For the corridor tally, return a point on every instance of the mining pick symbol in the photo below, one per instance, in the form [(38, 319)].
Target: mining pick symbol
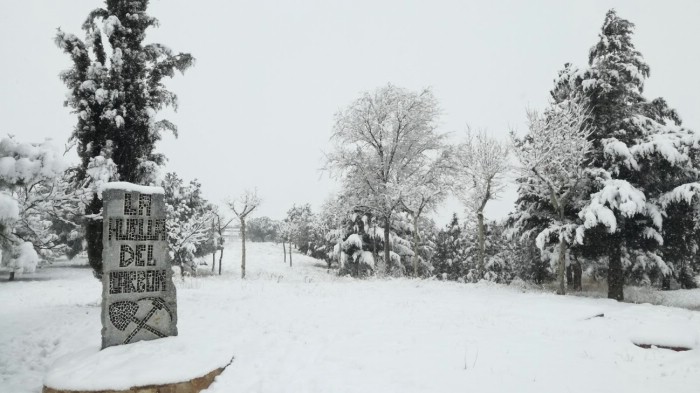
[(124, 312)]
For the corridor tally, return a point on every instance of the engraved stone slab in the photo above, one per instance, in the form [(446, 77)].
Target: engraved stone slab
[(138, 295)]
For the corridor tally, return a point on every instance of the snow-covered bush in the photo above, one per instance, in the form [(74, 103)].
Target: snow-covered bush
[(37, 207), (25, 259), (188, 220)]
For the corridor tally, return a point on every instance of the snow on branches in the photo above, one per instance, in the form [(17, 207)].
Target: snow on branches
[(555, 152), (482, 165), (33, 198)]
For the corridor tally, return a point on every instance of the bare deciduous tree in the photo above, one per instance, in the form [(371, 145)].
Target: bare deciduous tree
[(482, 163), (430, 184), (219, 225), (378, 139), (555, 151), (242, 207)]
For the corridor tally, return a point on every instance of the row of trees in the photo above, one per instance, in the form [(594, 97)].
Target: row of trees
[(607, 179)]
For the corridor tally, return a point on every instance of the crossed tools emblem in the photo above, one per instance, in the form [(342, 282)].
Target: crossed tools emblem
[(123, 312)]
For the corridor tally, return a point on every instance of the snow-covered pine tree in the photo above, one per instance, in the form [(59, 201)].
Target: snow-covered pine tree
[(641, 157), (116, 90), (450, 252)]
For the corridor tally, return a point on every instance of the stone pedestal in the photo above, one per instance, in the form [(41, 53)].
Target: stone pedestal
[(182, 364), (195, 385)]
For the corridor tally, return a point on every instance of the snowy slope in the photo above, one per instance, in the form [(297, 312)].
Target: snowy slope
[(302, 329)]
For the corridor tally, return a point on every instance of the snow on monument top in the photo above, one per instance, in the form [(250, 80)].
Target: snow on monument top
[(131, 187)]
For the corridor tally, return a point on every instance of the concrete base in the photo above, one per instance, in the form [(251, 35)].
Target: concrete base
[(192, 386)]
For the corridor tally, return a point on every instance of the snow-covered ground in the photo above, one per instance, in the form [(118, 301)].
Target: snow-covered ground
[(301, 329)]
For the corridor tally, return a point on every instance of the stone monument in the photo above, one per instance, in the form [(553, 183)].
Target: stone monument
[(138, 303), (138, 295)]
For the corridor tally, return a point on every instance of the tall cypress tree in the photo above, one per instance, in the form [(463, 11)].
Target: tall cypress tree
[(116, 89)]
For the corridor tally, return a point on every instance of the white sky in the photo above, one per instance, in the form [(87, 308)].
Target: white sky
[(257, 109)]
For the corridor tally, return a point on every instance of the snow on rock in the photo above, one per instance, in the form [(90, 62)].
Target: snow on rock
[(663, 328), (156, 362), (131, 187)]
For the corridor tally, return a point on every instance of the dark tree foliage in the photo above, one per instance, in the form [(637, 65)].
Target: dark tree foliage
[(116, 89), (450, 256)]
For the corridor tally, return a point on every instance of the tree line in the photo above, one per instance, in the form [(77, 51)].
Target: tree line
[(607, 182), (607, 178)]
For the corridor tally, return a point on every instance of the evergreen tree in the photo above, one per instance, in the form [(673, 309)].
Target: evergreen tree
[(641, 157), (450, 251), (116, 89)]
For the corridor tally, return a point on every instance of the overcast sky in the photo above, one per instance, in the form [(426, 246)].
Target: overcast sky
[(257, 109)]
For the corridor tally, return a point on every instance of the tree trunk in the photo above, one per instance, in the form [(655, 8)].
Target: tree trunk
[(221, 256), (284, 250), (93, 237), (570, 275), (213, 261), (340, 254), (616, 278), (666, 282), (562, 255), (6, 258), (290, 252), (387, 254), (415, 246), (578, 272), (374, 243), (482, 251), (562, 266), (242, 248)]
